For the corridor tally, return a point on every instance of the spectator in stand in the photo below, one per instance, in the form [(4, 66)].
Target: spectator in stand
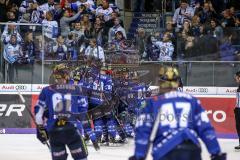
[(98, 31), (12, 52), (10, 30), (198, 8), (233, 14), (29, 48), (27, 7), (186, 40), (14, 8), (79, 38), (195, 27), (66, 20), (237, 21), (170, 29), (60, 49), (46, 7), (166, 48), (78, 31), (28, 12), (216, 29), (151, 52), (72, 47), (205, 46), (228, 20), (11, 17), (93, 50), (117, 27), (50, 27), (141, 41), (87, 27), (110, 23), (186, 28), (207, 13), (119, 42), (183, 13), (226, 50), (85, 22), (104, 10), (89, 4), (4, 5)]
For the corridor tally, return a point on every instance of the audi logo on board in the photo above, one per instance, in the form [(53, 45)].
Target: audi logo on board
[(20, 87), (203, 90)]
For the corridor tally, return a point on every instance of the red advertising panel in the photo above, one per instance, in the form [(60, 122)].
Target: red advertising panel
[(34, 101), (220, 112)]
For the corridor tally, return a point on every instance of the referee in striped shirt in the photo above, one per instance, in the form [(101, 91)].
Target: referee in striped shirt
[(237, 108)]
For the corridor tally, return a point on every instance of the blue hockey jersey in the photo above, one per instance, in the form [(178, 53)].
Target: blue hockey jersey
[(62, 101), (102, 84), (181, 117)]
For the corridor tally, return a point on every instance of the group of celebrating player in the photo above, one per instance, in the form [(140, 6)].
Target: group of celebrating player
[(92, 101), (108, 106)]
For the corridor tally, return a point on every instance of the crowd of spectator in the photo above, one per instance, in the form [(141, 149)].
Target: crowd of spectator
[(58, 30), (69, 29), (64, 30), (197, 32)]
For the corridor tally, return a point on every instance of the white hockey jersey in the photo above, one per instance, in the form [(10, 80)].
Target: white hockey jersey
[(6, 35), (166, 50), (46, 7), (95, 52), (105, 12), (25, 5), (50, 28), (90, 3)]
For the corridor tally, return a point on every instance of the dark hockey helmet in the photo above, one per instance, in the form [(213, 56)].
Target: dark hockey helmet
[(168, 77), (61, 71)]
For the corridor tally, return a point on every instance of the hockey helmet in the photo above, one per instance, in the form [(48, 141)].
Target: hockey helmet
[(168, 77), (61, 71)]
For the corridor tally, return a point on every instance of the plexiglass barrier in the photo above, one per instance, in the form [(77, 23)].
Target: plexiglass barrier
[(28, 55)]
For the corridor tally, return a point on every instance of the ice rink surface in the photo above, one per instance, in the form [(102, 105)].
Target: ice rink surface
[(27, 147)]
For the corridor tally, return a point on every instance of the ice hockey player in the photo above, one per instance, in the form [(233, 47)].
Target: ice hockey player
[(84, 125), (237, 108), (172, 123), (61, 100), (100, 98)]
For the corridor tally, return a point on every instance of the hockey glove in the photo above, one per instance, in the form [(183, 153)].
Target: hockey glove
[(42, 134), (220, 156)]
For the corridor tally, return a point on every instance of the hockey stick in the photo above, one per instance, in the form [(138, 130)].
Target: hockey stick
[(153, 136), (32, 116)]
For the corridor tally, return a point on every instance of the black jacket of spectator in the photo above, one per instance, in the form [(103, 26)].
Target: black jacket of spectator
[(205, 17), (218, 5), (229, 22), (3, 11), (29, 50)]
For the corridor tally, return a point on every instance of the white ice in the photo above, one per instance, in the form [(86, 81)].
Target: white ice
[(27, 147)]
